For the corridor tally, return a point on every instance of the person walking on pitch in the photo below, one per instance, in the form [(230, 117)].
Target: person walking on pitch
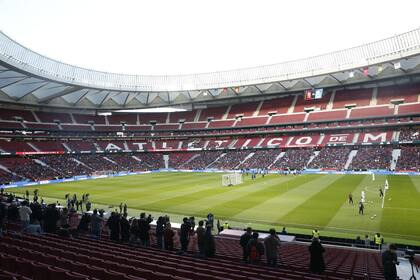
[(381, 193), (361, 208), (351, 198)]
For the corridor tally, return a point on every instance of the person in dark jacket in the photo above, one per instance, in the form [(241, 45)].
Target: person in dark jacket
[(160, 226), (125, 229), (113, 224), (272, 244), (209, 245), (200, 237), (144, 228), (51, 218), (83, 226), (169, 237), (255, 249), (389, 262), (244, 242), (185, 234), (317, 264)]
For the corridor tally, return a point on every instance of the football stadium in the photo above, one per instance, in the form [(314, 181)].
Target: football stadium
[(303, 169)]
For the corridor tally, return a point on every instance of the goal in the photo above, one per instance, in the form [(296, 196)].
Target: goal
[(231, 179)]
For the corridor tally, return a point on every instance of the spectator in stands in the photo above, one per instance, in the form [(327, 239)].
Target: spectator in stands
[(379, 240), (284, 231), (134, 231), (244, 243), (84, 224), (34, 227), (208, 243), (255, 249), (367, 241), (169, 237), (316, 264), (389, 262), (73, 221), (2, 214), (184, 235), (96, 224), (144, 228), (51, 218), (160, 227), (200, 237), (113, 224), (125, 229), (272, 244), (24, 214)]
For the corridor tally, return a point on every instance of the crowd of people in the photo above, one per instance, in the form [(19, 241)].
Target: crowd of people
[(331, 158), (260, 159), (372, 157), (230, 161), (294, 159), (409, 159)]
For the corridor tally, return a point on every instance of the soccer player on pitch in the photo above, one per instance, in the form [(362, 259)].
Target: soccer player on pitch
[(351, 198), (381, 192)]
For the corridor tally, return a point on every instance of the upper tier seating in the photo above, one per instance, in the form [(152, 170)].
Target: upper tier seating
[(407, 93), (49, 146), (10, 115), (187, 116), (15, 146), (215, 113), (41, 126), (292, 118), (321, 103), (122, 118), (245, 110), (11, 125), (199, 125), (360, 97), (366, 112), (70, 127), (146, 118), (85, 119), (220, 124), (406, 109), (252, 121), (327, 115), (277, 105), (53, 117), (166, 126)]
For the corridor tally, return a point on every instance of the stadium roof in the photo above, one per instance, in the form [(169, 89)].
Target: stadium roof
[(27, 77)]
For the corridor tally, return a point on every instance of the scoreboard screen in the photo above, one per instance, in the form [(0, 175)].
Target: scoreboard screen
[(314, 94)]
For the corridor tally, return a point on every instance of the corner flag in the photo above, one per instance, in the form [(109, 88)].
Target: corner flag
[(385, 189)]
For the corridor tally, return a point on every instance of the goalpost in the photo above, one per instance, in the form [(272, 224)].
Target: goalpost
[(231, 179)]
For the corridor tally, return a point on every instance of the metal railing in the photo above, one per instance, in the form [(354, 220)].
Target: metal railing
[(389, 49)]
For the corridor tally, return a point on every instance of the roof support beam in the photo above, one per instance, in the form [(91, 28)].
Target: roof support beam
[(59, 94), (29, 92)]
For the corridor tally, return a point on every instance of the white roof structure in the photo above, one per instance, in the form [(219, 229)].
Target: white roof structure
[(29, 78)]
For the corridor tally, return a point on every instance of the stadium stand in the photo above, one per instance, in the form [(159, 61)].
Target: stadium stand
[(376, 157), (409, 159), (277, 106), (294, 159), (333, 158), (213, 113), (320, 104), (358, 98)]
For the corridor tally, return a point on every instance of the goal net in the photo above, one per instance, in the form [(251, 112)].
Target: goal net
[(231, 179)]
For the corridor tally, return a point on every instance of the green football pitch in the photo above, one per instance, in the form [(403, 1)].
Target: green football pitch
[(299, 202)]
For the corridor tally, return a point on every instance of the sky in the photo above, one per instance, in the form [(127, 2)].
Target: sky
[(170, 37)]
